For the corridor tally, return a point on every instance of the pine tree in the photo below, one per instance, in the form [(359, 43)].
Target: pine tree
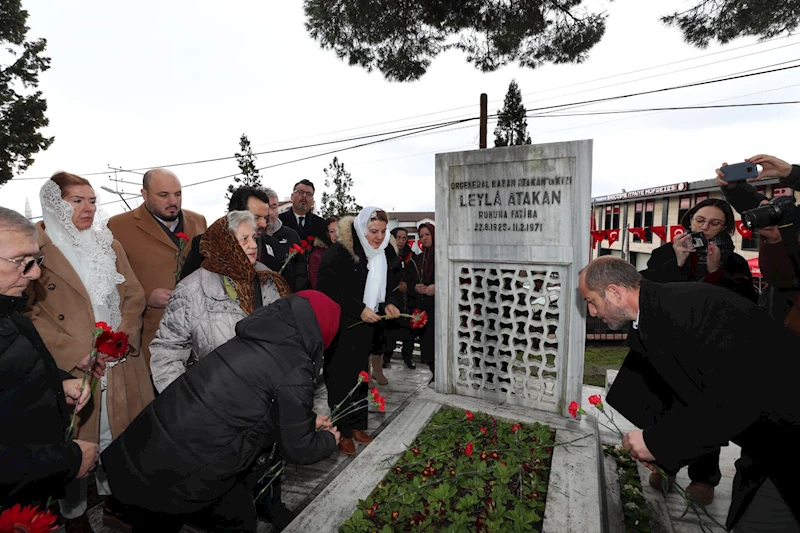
[(340, 202), (247, 164), (21, 112), (512, 127)]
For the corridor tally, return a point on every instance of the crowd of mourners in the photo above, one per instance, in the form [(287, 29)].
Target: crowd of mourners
[(231, 329)]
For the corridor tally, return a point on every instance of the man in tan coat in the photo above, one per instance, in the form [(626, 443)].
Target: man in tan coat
[(148, 234)]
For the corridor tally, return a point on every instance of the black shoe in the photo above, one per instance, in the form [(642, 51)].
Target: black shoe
[(279, 516), (409, 363)]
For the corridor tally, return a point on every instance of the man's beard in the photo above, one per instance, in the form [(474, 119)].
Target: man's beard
[(614, 317), (166, 217)]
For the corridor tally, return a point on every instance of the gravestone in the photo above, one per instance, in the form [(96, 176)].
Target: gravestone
[(512, 232)]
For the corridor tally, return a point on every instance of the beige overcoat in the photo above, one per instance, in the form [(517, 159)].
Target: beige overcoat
[(153, 257), (61, 310)]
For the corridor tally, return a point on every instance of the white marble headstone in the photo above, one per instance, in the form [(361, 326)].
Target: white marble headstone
[(512, 232)]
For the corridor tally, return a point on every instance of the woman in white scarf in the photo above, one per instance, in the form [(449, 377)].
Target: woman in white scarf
[(88, 279), (356, 272)]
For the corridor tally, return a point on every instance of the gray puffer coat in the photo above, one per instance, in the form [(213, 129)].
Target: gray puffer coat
[(199, 317)]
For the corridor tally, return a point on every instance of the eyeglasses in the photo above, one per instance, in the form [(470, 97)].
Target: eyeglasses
[(712, 223), (28, 265), (307, 194)]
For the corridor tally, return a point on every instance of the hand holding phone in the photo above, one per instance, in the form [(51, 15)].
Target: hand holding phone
[(739, 171)]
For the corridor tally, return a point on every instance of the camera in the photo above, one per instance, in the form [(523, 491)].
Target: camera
[(777, 212), (698, 240)]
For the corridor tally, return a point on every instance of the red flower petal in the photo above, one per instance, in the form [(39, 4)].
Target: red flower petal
[(28, 519), (573, 409), (595, 399), (469, 414)]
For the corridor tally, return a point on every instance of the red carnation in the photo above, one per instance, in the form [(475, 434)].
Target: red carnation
[(575, 410), (112, 344), (310, 239), (483, 430), (26, 519), (182, 236), (363, 376), (305, 245), (469, 414), (595, 399), (382, 405), (468, 449), (418, 319), (515, 428), (102, 325)]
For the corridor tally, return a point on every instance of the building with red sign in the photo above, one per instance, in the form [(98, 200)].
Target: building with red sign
[(631, 224)]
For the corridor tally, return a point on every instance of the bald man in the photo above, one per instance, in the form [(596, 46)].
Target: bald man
[(148, 235)]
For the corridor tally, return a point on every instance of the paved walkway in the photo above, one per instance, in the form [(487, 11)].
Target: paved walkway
[(301, 484)]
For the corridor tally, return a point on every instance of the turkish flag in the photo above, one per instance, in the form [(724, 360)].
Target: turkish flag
[(661, 231), (674, 231), (597, 236), (742, 229), (639, 232), (612, 235)]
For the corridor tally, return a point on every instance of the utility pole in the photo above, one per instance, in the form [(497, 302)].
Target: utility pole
[(482, 134)]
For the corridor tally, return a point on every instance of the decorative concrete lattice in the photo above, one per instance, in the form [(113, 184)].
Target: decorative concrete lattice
[(509, 328)]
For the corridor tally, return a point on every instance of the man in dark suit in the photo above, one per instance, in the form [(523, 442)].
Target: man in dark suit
[(701, 342), (299, 217)]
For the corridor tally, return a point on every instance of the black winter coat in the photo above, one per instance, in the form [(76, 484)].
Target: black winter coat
[(735, 273), (201, 436), (702, 342), (36, 461)]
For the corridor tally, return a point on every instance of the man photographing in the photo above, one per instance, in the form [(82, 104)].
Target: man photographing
[(699, 342)]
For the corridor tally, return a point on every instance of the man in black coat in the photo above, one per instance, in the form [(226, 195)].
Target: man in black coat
[(36, 460), (299, 217), (274, 248), (188, 454), (701, 341)]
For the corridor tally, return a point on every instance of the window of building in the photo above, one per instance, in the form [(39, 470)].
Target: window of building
[(638, 215), (684, 204), (649, 212), (616, 217), (752, 243), (700, 197), (607, 222)]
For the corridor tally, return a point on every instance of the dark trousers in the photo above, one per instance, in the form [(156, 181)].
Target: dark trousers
[(705, 469), (427, 337), (349, 357), (233, 512)]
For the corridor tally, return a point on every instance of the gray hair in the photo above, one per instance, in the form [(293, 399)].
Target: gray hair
[(10, 220), (235, 218), (270, 193), (609, 270)]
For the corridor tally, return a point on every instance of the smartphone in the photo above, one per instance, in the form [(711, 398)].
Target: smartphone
[(698, 240), (740, 171)]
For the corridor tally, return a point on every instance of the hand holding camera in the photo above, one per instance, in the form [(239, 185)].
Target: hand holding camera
[(682, 244)]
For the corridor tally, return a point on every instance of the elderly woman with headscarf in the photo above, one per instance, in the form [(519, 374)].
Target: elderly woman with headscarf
[(203, 311), (189, 455), (423, 280), (357, 273), (87, 279)]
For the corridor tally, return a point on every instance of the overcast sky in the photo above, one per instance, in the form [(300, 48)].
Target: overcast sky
[(150, 83)]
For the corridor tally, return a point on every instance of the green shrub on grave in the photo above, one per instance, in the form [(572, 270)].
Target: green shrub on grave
[(464, 472)]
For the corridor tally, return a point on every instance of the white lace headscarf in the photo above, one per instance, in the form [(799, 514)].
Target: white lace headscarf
[(88, 251), (375, 289)]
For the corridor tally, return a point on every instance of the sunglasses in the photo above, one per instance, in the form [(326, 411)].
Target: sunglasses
[(27, 265)]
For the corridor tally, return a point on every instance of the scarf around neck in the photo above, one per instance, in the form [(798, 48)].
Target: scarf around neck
[(377, 267)]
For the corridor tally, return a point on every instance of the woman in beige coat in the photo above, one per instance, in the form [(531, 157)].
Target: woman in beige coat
[(87, 278)]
